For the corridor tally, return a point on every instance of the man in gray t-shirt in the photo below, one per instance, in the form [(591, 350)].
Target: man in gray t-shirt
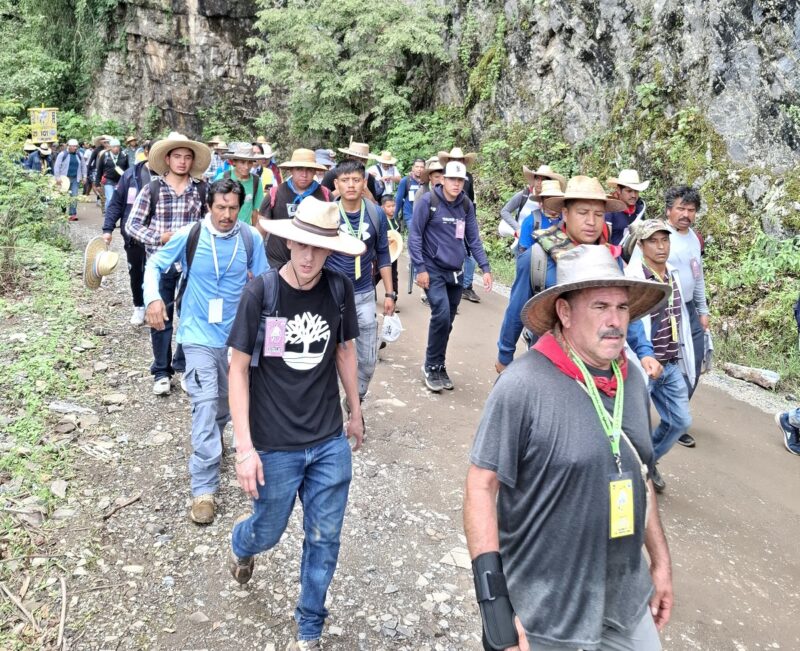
[(556, 490)]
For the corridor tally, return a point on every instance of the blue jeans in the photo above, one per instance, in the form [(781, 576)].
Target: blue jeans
[(207, 385), (164, 364), (367, 341), (320, 476), (73, 192), (108, 188), (469, 271), (670, 397), (444, 295)]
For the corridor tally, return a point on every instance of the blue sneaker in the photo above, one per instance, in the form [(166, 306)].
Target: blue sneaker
[(791, 435)]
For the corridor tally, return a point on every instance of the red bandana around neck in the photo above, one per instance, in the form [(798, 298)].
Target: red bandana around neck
[(549, 347)]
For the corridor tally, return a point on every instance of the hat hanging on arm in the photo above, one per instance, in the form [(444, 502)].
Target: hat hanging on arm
[(175, 140), (395, 244), (584, 267), (303, 158), (357, 150), (98, 261), (587, 188), (316, 223), (545, 171), (457, 154), (629, 179)]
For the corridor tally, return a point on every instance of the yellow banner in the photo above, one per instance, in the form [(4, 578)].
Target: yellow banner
[(44, 124)]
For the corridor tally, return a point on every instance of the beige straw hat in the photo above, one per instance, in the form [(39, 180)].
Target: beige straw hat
[(585, 266), (550, 188), (316, 223), (395, 244), (584, 187), (431, 165), (386, 158), (357, 149), (458, 155), (303, 158), (544, 171), (629, 179), (98, 261), (241, 151), (159, 151)]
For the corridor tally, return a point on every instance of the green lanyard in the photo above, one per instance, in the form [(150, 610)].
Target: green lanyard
[(673, 322), (346, 219), (611, 426)]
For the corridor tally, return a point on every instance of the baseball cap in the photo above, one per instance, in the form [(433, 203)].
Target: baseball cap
[(455, 170)]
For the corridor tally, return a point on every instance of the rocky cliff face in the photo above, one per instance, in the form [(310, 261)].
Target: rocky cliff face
[(173, 57)]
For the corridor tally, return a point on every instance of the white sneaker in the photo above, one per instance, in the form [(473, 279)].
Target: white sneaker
[(161, 386), (137, 318)]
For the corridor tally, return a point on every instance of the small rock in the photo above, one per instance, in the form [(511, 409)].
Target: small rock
[(63, 513), (335, 630), (99, 331), (18, 336), (113, 408), (63, 407), (114, 398), (422, 581), (198, 618), (100, 367), (85, 374), (65, 428), (88, 420), (458, 557), (59, 488), (391, 588), (161, 438), (135, 569), (86, 344), (168, 582)]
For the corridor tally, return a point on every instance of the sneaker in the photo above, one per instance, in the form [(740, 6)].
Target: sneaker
[(303, 645), (447, 383), (161, 386), (791, 435), (137, 318), (470, 295), (241, 569), (433, 378), (203, 509), (687, 440), (73, 218), (658, 480)]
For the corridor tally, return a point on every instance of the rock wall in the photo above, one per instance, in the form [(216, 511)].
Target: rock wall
[(170, 58)]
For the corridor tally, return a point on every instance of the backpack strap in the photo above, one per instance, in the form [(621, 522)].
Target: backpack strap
[(155, 189), (372, 214), (269, 307), (325, 192), (337, 287), (256, 180), (247, 237), (526, 193), (538, 268), (191, 249)]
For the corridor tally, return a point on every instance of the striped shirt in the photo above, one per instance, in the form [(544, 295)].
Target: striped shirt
[(172, 212), (665, 346)]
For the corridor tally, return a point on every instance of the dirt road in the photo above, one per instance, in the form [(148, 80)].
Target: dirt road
[(147, 578)]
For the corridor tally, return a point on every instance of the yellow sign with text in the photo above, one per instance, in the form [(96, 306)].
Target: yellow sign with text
[(44, 124)]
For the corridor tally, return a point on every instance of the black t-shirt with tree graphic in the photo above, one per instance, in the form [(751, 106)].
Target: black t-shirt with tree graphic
[(294, 399)]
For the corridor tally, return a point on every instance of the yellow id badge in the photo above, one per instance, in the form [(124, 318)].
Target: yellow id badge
[(620, 505), (358, 267)]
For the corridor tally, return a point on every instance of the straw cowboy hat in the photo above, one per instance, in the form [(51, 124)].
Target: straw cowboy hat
[(130, 139), (550, 188), (98, 261), (261, 140), (303, 158), (357, 149), (628, 179), (395, 244), (386, 158), (546, 172), (316, 223), (99, 140), (587, 266), (220, 145), (240, 151), (159, 151), (44, 149), (431, 165), (29, 146), (458, 155), (584, 187)]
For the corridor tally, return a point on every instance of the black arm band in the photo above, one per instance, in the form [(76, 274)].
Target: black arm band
[(497, 613)]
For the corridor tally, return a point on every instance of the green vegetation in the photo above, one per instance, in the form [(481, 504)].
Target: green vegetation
[(338, 70)]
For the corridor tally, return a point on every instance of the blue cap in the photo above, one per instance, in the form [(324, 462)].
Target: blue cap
[(323, 157)]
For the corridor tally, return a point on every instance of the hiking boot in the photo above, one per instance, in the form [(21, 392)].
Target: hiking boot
[(241, 569), (202, 511), (791, 435), (161, 386), (433, 378), (658, 480), (470, 295), (304, 645), (137, 318), (447, 383), (687, 440)]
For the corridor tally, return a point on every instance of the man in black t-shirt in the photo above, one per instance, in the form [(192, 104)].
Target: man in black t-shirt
[(285, 403)]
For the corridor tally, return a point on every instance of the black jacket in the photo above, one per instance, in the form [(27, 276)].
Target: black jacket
[(105, 167)]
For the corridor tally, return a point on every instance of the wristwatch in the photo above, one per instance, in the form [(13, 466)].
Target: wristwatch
[(392, 295)]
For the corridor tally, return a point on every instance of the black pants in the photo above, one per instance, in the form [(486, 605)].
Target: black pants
[(698, 341), (137, 257)]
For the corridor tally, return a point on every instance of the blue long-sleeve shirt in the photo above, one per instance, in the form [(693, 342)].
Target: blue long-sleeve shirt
[(404, 198), (203, 285), (432, 240), (522, 292), (123, 197)]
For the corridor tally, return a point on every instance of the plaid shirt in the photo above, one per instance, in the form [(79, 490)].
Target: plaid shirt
[(172, 212), (213, 167)]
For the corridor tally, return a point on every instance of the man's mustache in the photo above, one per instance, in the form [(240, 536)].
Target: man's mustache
[(611, 332)]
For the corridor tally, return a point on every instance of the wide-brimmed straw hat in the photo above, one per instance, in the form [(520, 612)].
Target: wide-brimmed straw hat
[(546, 172), (240, 151), (220, 145), (269, 152), (303, 158), (629, 179), (357, 149), (261, 140), (98, 261), (44, 149), (584, 267), (395, 244), (99, 140), (131, 139), (159, 151), (550, 188), (457, 154), (587, 188), (316, 223), (29, 146), (431, 165), (386, 158)]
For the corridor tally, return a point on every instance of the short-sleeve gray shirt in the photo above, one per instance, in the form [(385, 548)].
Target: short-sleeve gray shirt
[(540, 433)]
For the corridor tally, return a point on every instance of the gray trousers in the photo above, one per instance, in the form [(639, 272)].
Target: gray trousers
[(207, 383), (643, 637), (367, 342)]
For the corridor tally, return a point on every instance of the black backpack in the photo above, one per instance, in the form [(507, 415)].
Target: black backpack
[(269, 306), (155, 190), (191, 248)]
